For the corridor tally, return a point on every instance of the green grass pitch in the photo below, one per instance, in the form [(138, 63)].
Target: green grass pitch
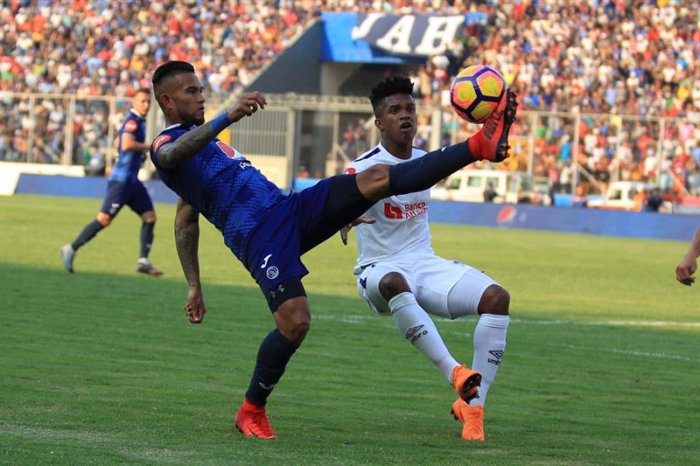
[(101, 367)]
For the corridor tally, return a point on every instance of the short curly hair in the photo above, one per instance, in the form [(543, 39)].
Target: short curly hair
[(390, 85)]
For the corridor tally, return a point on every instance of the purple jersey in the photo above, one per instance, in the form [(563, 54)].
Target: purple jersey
[(222, 185), (129, 161)]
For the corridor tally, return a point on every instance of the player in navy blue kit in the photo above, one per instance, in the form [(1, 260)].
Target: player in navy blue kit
[(267, 229), (124, 188)]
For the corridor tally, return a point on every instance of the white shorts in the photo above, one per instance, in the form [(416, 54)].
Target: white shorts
[(431, 278)]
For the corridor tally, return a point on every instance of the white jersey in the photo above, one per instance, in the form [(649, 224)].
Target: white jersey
[(402, 221)]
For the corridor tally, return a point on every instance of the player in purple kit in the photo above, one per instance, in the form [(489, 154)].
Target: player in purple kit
[(269, 230), (124, 188)]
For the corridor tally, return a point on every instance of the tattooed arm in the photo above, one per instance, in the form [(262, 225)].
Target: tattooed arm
[(190, 143), (187, 244)]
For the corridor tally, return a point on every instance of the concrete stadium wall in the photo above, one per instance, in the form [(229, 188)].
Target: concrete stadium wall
[(530, 217)]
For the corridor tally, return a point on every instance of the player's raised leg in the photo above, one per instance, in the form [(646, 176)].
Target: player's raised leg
[(489, 143)]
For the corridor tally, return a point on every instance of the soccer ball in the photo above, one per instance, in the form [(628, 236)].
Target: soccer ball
[(475, 93)]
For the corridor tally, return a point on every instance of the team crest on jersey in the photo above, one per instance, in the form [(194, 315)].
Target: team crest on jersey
[(159, 141), (131, 125), (229, 151), (272, 272)]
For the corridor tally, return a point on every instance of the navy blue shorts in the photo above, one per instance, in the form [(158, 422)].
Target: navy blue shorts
[(130, 193), (293, 227)]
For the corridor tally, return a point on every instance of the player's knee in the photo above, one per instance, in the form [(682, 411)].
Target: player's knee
[(393, 284), (495, 300), (104, 219), (297, 330), (149, 217), (294, 325), (373, 183)]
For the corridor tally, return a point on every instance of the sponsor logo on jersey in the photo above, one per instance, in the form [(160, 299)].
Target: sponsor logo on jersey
[(229, 151), (392, 211), (412, 210), (497, 355), (414, 333), (416, 209), (131, 126), (159, 141)]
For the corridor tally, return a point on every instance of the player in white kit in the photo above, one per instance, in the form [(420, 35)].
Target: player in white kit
[(398, 273)]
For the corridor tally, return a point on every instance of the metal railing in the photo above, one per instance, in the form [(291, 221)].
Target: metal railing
[(318, 134)]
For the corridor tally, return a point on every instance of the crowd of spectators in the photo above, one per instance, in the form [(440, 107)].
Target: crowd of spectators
[(626, 58), (615, 63), (100, 47)]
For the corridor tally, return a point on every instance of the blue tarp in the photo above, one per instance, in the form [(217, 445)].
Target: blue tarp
[(531, 217)]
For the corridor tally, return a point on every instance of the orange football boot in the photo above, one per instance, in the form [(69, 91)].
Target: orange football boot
[(472, 419), (491, 141), (252, 421), (466, 382)]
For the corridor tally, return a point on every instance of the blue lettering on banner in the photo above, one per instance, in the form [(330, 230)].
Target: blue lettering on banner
[(423, 34)]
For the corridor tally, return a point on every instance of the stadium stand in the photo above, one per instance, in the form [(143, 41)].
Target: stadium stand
[(636, 58)]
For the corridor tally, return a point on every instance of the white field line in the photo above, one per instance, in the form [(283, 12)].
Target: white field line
[(618, 323), (644, 354), (356, 318)]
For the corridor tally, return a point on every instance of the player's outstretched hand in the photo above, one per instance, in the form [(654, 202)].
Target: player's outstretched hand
[(346, 229), (685, 270), (247, 104), (195, 308)]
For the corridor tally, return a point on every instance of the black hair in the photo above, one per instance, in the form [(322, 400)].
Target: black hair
[(171, 68), (390, 85), (143, 90)]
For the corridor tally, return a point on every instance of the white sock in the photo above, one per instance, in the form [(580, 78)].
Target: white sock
[(419, 329), (489, 346)]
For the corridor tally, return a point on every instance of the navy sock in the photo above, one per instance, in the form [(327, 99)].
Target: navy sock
[(146, 238), (89, 232), (273, 356), (423, 173)]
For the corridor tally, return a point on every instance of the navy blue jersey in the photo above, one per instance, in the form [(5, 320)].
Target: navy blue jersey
[(222, 185), (129, 161)]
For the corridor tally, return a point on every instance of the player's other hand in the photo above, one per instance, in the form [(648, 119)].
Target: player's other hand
[(685, 270), (194, 307), (346, 229), (247, 104)]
